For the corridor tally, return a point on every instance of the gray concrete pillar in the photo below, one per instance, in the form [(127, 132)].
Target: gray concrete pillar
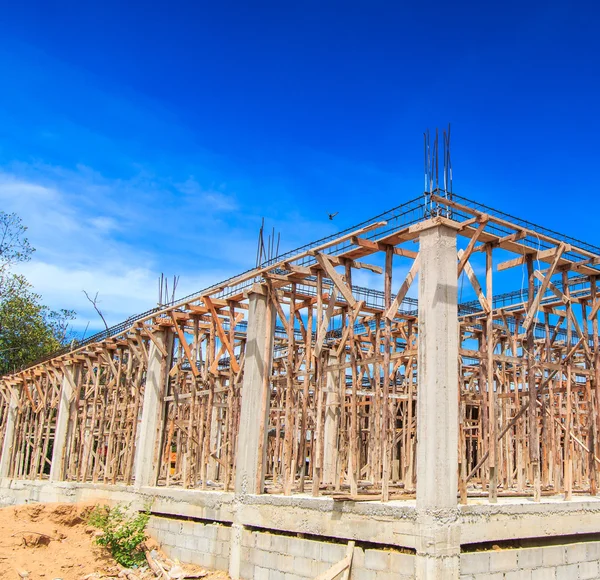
[(438, 541), (235, 551), (9, 435), (145, 461), (254, 415), (59, 448), (437, 545), (332, 421)]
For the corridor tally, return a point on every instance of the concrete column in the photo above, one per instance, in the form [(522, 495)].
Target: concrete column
[(59, 448), (252, 438), (9, 435), (235, 551), (145, 463), (438, 534), (332, 422)]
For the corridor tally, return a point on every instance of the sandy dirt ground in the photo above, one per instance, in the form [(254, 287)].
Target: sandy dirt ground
[(53, 541)]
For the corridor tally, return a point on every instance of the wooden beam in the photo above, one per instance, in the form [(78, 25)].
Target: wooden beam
[(341, 261), (564, 299), (156, 343), (322, 330), (345, 290), (305, 270), (381, 246), (223, 337), (280, 312), (471, 245), (339, 567), (594, 309), (487, 307), (542, 256), (186, 348), (393, 309), (349, 326), (542, 290), (515, 237)]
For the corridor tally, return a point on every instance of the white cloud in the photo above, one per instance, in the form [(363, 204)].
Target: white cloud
[(115, 236), (104, 224), (101, 236), (120, 294), (214, 199)]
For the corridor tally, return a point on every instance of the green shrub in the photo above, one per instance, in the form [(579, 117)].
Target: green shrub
[(123, 532)]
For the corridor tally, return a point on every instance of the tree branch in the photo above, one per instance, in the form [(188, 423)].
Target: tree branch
[(95, 305)]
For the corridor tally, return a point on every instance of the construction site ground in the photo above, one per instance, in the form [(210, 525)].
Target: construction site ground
[(53, 541)]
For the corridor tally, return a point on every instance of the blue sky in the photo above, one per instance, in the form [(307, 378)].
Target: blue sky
[(139, 138)]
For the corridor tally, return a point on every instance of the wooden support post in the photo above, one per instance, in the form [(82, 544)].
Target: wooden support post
[(332, 422), (534, 435), (595, 380), (489, 363), (386, 451), (569, 440)]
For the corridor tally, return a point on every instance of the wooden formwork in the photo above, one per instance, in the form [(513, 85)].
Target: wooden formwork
[(344, 385), (107, 401), (31, 452), (202, 398)]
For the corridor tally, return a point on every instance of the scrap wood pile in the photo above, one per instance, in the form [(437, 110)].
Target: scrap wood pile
[(158, 566)]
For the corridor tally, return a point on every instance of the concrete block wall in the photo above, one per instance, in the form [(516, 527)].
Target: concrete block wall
[(192, 541), (577, 561), (271, 556), (267, 556)]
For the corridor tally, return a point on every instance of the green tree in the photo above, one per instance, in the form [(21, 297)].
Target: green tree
[(28, 329), (14, 246)]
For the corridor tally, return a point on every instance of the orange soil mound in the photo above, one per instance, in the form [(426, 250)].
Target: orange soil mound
[(49, 541), (53, 541)]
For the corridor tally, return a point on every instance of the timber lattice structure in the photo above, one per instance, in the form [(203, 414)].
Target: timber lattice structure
[(291, 379)]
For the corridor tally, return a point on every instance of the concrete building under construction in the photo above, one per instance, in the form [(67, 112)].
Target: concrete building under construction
[(288, 423)]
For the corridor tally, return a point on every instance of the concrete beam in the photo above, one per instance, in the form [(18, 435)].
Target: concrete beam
[(252, 438)]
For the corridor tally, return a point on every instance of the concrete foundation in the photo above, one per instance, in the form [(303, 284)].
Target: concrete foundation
[(293, 538)]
